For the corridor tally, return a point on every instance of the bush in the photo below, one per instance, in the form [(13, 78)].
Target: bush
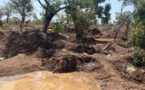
[(57, 28), (138, 37), (138, 57), (1, 28)]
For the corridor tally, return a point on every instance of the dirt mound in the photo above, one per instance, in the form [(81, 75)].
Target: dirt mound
[(84, 48), (34, 50), (89, 64), (69, 63), (130, 71), (3, 37), (19, 64), (93, 31), (63, 64), (29, 41)]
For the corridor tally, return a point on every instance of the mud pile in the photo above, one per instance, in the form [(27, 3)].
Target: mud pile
[(69, 63), (29, 42)]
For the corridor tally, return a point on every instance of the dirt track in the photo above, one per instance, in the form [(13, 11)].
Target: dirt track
[(60, 54)]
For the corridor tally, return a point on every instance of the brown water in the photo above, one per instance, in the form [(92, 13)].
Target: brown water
[(44, 80)]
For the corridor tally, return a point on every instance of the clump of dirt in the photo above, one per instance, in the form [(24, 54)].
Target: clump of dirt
[(84, 48), (93, 31), (2, 37), (133, 73), (89, 64), (69, 63), (89, 41), (44, 53), (62, 64)]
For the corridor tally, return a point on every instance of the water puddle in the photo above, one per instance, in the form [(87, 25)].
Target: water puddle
[(44, 80)]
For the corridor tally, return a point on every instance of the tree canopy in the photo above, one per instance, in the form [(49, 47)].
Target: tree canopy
[(24, 8)]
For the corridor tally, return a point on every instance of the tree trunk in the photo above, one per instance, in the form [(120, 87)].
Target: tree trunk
[(8, 18), (79, 31), (47, 22), (21, 24), (127, 30)]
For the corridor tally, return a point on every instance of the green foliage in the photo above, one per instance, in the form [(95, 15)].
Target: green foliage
[(23, 7), (139, 14), (51, 8), (1, 13), (57, 28), (43, 18), (8, 10), (106, 12), (1, 28), (124, 18), (83, 13), (138, 36), (28, 21), (138, 57), (138, 32)]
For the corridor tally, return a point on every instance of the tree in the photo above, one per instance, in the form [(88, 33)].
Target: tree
[(81, 14), (106, 12), (127, 3), (51, 7), (24, 8), (8, 8), (124, 19), (1, 15), (138, 32)]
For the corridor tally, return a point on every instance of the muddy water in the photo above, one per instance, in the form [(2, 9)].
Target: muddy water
[(44, 80)]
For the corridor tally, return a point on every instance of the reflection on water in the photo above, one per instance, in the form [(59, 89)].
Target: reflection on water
[(48, 81)]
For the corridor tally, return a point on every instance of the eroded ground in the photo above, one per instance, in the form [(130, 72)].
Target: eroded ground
[(32, 51)]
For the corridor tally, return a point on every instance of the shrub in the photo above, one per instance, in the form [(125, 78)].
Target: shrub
[(138, 37), (57, 28), (138, 57), (0, 28)]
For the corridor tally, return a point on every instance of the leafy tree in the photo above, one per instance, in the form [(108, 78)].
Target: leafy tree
[(138, 32), (8, 8), (24, 8), (106, 12), (1, 12), (51, 7), (81, 14), (1, 15)]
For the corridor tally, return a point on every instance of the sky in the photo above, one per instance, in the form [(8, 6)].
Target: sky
[(114, 4)]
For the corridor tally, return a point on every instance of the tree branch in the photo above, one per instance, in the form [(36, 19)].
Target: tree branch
[(60, 9), (41, 4), (47, 3)]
